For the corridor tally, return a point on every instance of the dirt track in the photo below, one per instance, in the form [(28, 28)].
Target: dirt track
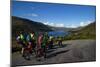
[(73, 51)]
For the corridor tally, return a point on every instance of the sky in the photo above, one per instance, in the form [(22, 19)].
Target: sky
[(59, 15)]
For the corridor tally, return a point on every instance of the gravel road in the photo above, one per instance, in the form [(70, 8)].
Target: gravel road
[(73, 51)]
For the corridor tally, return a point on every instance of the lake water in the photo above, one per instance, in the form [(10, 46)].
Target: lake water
[(57, 33)]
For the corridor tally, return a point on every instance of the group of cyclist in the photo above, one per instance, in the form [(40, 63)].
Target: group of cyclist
[(37, 42)]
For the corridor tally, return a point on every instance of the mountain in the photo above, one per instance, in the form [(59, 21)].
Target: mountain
[(61, 29), (65, 29), (87, 32), (22, 24)]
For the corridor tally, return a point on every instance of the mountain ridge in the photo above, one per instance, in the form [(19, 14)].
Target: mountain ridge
[(22, 24)]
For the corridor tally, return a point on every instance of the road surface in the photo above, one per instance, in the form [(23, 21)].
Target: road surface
[(73, 51)]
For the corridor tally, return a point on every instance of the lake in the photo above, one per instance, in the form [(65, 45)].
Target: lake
[(58, 33)]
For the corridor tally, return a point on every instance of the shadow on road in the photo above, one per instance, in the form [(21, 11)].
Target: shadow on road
[(63, 45), (56, 53), (56, 46)]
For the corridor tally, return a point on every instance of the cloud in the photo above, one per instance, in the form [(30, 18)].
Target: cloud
[(82, 24), (46, 23), (72, 26), (51, 24), (31, 14), (54, 24), (78, 25), (68, 25), (60, 25), (85, 23)]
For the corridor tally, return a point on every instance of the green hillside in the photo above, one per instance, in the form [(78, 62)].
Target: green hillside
[(87, 32), (22, 24)]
